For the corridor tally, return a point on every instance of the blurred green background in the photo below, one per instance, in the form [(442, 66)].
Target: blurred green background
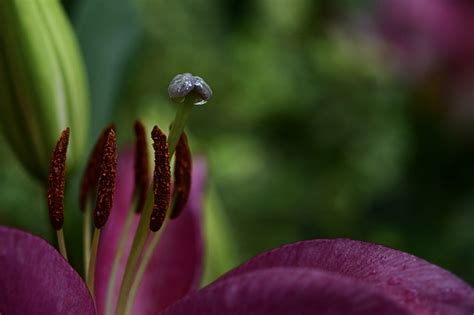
[(316, 130)]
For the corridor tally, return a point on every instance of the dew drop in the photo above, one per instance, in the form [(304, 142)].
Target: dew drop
[(200, 102)]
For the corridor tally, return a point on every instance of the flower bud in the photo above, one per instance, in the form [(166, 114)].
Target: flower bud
[(42, 83)]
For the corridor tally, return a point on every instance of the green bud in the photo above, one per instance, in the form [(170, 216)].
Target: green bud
[(43, 86)]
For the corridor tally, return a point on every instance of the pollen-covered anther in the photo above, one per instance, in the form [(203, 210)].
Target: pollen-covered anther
[(161, 180), (91, 174), (142, 174), (106, 183), (56, 179), (182, 176)]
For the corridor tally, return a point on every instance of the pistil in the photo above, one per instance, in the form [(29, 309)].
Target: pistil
[(188, 91), (178, 124)]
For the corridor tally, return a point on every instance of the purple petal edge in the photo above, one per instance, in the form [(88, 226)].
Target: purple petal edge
[(277, 291), (410, 281), (36, 279)]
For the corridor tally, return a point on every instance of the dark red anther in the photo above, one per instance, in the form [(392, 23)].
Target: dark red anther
[(182, 176), (91, 174), (142, 173), (56, 178), (161, 179), (106, 183)]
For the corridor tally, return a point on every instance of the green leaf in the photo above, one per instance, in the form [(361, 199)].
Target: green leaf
[(109, 33)]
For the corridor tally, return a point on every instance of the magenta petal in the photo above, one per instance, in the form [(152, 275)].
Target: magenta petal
[(176, 265), (35, 278), (412, 282), (286, 291)]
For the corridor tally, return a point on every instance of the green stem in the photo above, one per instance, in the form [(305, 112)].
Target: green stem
[(118, 256), (139, 241), (142, 267), (61, 243), (86, 236), (179, 122), (91, 272)]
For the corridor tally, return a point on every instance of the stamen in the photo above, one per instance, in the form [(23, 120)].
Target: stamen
[(182, 176), (142, 177), (161, 180), (61, 243), (106, 183), (103, 205), (90, 177), (88, 188), (90, 278), (56, 181)]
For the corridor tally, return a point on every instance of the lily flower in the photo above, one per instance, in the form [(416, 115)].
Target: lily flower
[(149, 260)]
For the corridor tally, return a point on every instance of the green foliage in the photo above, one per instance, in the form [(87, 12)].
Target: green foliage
[(109, 32)]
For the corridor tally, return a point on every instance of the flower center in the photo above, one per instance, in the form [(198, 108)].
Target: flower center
[(154, 204)]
